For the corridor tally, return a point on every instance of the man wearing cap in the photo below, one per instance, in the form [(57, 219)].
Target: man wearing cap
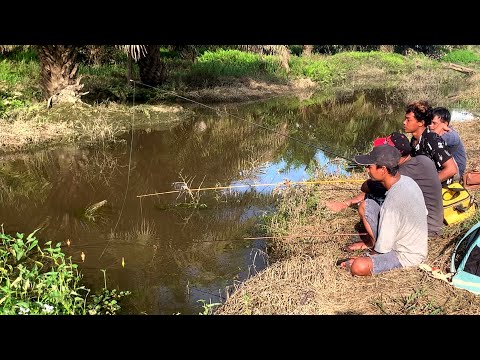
[(418, 117), (402, 226), (420, 168)]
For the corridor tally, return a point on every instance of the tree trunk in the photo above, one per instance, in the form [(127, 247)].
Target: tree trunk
[(58, 69), (307, 50), (129, 68), (387, 48), (153, 71)]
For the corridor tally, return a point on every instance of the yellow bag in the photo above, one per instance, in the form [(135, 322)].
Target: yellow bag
[(458, 204)]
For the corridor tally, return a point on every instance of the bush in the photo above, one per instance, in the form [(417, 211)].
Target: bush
[(461, 56), (43, 281)]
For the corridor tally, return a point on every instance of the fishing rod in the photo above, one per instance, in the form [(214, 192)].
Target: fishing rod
[(184, 187), (294, 236), (250, 122), (283, 237)]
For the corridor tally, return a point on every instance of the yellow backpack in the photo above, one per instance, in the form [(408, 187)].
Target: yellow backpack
[(458, 204)]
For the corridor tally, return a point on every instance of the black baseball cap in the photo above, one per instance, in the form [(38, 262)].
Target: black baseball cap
[(383, 155)]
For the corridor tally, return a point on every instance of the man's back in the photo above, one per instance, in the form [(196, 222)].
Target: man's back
[(403, 223), (421, 169)]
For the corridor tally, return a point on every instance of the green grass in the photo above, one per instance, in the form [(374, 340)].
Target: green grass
[(331, 70), (462, 56), (41, 280), (23, 72), (18, 82), (211, 66)]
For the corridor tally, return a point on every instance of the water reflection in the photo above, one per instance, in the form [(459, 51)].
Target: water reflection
[(179, 249), (461, 115)]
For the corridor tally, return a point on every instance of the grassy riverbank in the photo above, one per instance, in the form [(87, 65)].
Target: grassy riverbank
[(216, 76), (303, 277)]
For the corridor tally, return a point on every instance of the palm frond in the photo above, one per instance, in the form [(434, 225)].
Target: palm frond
[(135, 51)]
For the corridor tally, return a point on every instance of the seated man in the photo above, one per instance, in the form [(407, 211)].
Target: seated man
[(441, 125), (418, 116), (402, 226), (420, 168)]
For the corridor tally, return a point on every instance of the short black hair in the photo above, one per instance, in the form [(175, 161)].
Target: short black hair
[(443, 114), (421, 110)]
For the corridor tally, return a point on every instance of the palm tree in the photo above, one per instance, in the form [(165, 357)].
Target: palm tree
[(307, 50), (152, 68), (58, 67)]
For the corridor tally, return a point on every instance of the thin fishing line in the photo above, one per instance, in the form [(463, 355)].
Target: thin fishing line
[(299, 236), (250, 122), (206, 292), (129, 169)]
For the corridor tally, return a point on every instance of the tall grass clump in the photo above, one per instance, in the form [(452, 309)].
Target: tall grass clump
[(22, 72), (212, 65), (319, 69), (462, 56), (391, 62), (41, 280), (19, 74)]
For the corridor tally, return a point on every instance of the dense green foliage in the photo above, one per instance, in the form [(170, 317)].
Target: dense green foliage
[(36, 280), (211, 66), (463, 56)]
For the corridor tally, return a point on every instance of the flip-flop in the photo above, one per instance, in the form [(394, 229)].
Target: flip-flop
[(436, 273), (341, 261)]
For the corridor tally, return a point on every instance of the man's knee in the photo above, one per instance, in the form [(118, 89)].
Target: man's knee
[(362, 267), (361, 209)]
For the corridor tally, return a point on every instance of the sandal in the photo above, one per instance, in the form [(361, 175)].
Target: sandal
[(341, 261)]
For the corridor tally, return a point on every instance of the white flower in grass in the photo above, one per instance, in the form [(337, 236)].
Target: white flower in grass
[(47, 308), (23, 311)]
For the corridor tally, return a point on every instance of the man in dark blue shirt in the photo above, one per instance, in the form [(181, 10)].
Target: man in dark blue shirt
[(441, 125)]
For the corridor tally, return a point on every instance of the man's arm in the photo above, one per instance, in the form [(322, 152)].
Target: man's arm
[(337, 206), (451, 138), (441, 157), (449, 169)]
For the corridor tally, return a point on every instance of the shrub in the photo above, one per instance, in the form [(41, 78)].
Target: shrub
[(461, 56), (35, 280)]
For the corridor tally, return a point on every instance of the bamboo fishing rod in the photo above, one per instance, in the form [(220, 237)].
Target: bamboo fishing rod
[(282, 237), (302, 235), (285, 183)]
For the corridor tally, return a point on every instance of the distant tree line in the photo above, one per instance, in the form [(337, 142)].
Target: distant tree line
[(59, 63)]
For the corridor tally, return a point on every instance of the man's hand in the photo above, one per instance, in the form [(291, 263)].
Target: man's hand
[(336, 206)]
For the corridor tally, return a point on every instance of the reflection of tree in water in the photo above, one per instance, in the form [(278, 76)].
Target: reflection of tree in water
[(343, 125), (54, 187), (199, 256)]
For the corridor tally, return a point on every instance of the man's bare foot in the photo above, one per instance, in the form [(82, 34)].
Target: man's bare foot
[(336, 206), (347, 264), (357, 246)]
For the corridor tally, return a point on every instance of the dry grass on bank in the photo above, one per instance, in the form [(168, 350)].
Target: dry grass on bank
[(66, 123), (250, 89), (306, 280)]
